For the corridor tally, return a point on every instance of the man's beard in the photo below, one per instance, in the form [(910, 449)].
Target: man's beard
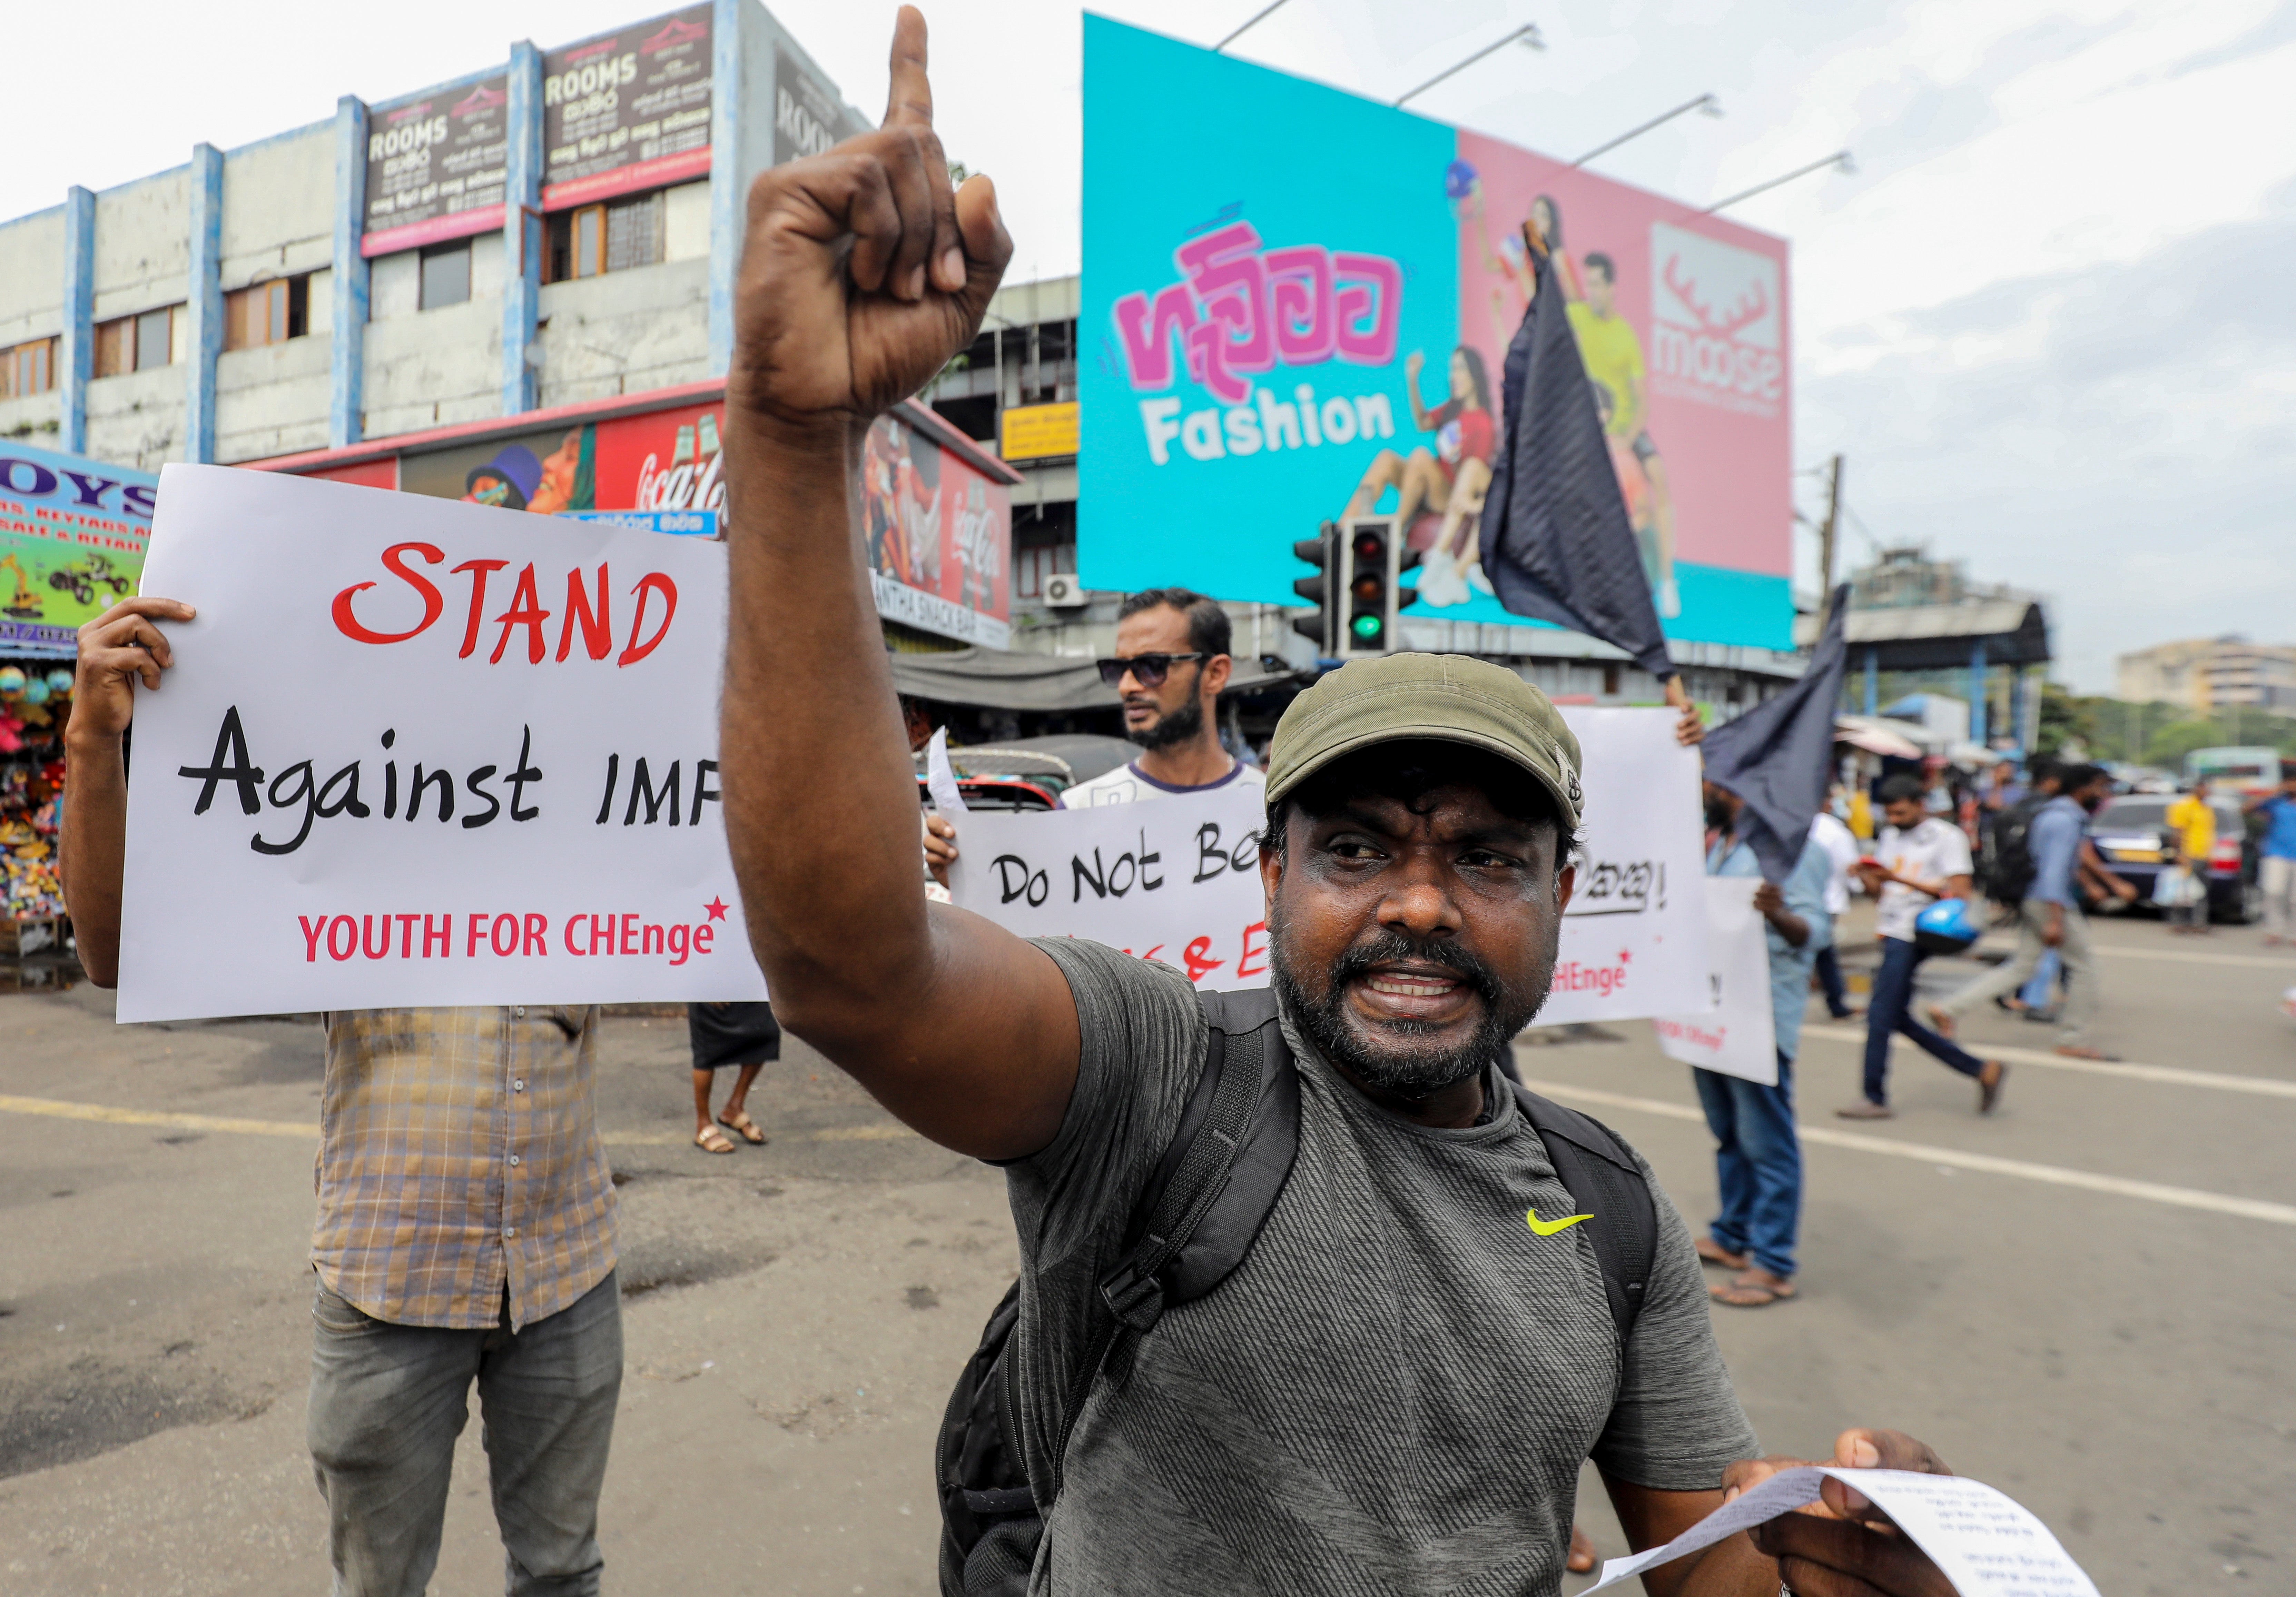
[(1400, 1057), (1176, 726)]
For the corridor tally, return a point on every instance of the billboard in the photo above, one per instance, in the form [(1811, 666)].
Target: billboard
[(435, 165), (939, 531), (1296, 302), (73, 532), (626, 110)]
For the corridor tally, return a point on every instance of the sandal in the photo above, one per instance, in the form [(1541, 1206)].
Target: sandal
[(710, 1140), (2081, 1051), (1748, 1292), (1711, 1252), (746, 1127)]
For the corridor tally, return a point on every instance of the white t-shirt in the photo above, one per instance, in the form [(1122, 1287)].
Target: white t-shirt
[(1840, 846), (1129, 784), (1934, 851)]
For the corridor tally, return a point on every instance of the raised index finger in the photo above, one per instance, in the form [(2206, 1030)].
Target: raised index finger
[(908, 102)]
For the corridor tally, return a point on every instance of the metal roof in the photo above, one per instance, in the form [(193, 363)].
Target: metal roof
[(1928, 637)]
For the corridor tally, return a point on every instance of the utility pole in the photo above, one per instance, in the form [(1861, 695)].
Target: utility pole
[(1826, 537)]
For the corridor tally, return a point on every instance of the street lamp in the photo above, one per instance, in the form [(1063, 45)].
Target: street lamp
[(1707, 104), (1839, 157), (1256, 19), (1528, 34)]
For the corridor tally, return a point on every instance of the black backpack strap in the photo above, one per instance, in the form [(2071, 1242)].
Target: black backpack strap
[(1604, 1182), (1204, 1204), (1227, 1163)]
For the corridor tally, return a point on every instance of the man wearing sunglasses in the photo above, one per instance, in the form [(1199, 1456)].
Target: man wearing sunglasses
[(1170, 663)]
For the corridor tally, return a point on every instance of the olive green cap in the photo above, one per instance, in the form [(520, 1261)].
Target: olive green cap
[(1455, 698)]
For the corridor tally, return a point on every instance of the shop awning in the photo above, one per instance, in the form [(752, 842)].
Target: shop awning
[(999, 679)]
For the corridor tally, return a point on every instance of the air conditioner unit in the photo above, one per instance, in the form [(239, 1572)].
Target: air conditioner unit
[(1064, 592)]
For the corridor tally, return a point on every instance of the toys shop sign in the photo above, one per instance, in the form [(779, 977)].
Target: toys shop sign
[(417, 752)]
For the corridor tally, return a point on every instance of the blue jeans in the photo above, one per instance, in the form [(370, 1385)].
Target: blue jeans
[(388, 1401), (1892, 1009), (1829, 981), (1757, 1163)]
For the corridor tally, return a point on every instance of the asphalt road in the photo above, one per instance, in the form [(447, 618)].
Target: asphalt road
[(2086, 1300)]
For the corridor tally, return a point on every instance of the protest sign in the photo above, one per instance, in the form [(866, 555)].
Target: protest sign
[(1739, 1036), (419, 752), (1634, 940), (1176, 879)]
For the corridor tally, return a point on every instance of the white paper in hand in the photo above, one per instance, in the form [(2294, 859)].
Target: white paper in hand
[(940, 776), (1986, 1544)]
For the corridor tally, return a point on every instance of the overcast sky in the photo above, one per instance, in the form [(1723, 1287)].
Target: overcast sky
[(2051, 320)]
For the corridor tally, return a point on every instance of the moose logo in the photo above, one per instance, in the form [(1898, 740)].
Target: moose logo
[(1718, 326)]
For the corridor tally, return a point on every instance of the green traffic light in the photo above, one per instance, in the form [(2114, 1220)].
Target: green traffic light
[(1366, 628)]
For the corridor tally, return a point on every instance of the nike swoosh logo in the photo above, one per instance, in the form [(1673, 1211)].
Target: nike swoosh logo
[(1547, 1228)]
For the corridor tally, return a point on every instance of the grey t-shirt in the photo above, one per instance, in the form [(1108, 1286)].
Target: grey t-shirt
[(1391, 1394)]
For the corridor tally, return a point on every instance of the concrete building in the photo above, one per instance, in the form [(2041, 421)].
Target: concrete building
[(2210, 673), (560, 227), (1015, 390)]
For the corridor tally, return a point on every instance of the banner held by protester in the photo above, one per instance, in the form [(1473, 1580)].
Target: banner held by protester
[(416, 752), (1634, 940), (1736, 1033), (1176, 880)]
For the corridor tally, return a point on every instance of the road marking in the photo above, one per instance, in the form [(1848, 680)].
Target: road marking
[(2170, 1075), (2179, 956), (111, 1114), (2251, 1208), (143, 1117)]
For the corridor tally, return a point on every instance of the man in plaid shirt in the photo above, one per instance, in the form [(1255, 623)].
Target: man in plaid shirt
[(465, 1227)]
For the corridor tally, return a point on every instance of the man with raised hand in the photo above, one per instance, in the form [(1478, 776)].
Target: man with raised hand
[(1395, 1388)]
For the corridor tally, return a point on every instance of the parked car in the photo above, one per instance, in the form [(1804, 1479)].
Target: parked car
[(2131, 835)]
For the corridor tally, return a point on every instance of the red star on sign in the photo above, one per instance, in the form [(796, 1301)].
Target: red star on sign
[(1626, 956), (716, 908)]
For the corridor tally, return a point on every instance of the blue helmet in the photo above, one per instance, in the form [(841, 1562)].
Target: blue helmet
[(1945, 927)]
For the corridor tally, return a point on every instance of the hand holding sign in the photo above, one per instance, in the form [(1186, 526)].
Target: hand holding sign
[(862, 272)]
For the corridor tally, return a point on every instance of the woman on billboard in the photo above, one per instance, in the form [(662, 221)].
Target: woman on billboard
[(1448, 480)]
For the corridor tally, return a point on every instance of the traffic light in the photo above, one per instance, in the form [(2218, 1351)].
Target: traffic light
[(1321, 551), (1372, 560)]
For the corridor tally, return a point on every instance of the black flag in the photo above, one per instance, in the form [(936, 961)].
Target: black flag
[(1557, 544), (1779, 756)]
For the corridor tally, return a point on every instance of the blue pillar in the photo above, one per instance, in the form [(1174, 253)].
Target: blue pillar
[(1977, 692), (1873, 681), (204, 302), (347, 391), (728, 208), (523, 235), (76, 358), (2017, 706)]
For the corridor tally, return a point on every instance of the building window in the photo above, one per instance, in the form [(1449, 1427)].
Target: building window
[(28, 369), (613, 237), (446, 275), (267, 313), (136, 343)]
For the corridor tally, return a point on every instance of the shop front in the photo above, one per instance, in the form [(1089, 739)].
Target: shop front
[(72, 537), (937, 509)]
